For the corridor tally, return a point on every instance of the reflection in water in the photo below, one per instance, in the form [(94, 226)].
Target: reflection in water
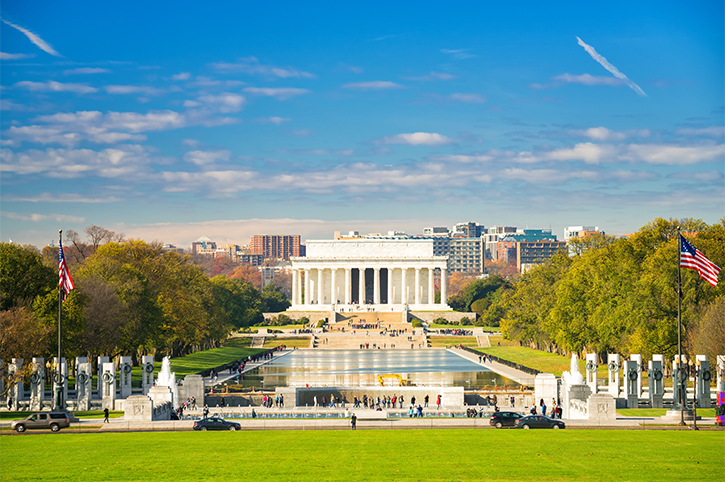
[(353, 368)]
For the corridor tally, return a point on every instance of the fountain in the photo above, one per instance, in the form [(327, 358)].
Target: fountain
[(573, 377), (168, 379)]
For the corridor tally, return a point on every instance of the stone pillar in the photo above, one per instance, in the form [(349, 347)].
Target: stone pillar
[(444, 292), (417, 286), (403, 286), (613, 366), (37, 384), (638, 359), (147, 373), (720, 373), (99, 372), (376, 286), (431, 288), (192, 386), (320, 286), (108, 385), (295, 290), (678, 376), (84, 377), (361, 286), (124, 378), (591, 371), (656, 381), (17, 390), (307, 294), (390, 286), (631, 390), (348, 285), (60, 383), (333, 286), (702, 382)]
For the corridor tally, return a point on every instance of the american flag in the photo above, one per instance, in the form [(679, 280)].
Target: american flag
[(65, 282), (691, 257)]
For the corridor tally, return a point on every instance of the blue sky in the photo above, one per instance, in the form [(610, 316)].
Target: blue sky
[(171, 120)]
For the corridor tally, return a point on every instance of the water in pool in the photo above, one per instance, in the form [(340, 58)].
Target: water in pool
[(355, 368)]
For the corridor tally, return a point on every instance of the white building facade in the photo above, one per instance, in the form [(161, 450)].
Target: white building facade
[(391, 274)]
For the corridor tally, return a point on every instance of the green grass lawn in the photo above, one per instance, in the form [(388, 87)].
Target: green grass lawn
[(367, 455), (659, 412), (234, 349), (443, 341), (289, 342)]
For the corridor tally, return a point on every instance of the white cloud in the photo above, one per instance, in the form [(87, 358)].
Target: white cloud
[(204, 158), (372, 85), (132, 89), (418, 139), (459, 54), (127, 161), (224, 102), (9, 105), (61, 218), (86, 70), (587, 152), (462, 158), (673, 155), (53, 86), (181, 76), (600, 134), (587, 79), (468, 98), (280, 93), (432, 76), (712, 131), (7, 56), (251, 65), (60, 198), (35, 39)]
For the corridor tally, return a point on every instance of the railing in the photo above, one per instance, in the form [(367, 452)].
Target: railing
[(518, 366)]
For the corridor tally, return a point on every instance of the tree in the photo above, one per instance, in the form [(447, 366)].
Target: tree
[(22, 335), (706, 333), (273, 300), (23, 276)]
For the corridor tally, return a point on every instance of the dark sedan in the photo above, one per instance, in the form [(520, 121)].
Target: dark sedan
[(215, 423), (539, 421), (504, 419)]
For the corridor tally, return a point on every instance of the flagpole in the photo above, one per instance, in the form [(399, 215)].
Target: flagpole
[(679, 326), (59, 395)]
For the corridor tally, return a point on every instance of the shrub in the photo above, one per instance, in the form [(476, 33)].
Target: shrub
[(320, 323), (304, 321), (440, 321), (283, 319), (416, 323), (466, 321)]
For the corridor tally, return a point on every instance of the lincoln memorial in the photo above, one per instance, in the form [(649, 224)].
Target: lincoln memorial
[(368, 274)]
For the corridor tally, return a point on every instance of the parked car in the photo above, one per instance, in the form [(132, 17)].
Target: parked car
[(504, 419), (539, 421), (47, 420), (215, 423)]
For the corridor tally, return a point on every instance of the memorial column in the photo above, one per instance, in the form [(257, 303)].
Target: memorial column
[(376, 286), (308, 298), (320, 284), (417, 286), (431, 287), (403, 286), (333, 286), (348, 284), (295, 291)]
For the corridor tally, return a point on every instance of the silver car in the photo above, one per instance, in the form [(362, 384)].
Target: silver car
[(43, 420)]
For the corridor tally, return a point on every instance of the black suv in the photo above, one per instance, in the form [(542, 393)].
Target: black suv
[(52, 420), (504, 419)]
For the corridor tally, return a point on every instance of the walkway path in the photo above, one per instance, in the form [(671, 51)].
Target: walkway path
[(512, 373)]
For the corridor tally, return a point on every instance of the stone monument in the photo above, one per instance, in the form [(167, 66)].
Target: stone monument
[(17, 390), (613, 366), (630, 384), (591, 374), (108, 385), (124, 376), (576, 392), (37, 384), (84, 379), (147, 373), (656, 381), (60, 383), (702, 382), (638, 359)]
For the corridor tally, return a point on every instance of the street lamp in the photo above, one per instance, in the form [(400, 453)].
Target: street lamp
[(694, 371)]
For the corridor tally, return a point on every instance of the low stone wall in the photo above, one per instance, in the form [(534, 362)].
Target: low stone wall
[(313, 316), (451, 397), (451, 316)]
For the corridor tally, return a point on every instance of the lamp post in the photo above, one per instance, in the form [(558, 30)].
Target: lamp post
[(694, 370)]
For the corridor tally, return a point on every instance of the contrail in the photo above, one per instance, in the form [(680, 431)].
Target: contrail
[(615, 72), (39, 42)]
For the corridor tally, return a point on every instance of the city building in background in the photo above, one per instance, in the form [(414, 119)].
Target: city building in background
[(276, 246)]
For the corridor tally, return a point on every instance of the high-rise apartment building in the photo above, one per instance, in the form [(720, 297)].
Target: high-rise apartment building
[(276, 246)]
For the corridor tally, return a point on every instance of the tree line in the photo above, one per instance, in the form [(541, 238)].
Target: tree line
[(130, 298), (618, 295)]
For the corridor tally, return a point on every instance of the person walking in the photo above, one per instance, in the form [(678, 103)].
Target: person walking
[(438, 402), (353, 421), (425, 400), (105, 415)]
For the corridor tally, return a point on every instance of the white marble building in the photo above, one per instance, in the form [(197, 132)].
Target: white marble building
[(381, 274)]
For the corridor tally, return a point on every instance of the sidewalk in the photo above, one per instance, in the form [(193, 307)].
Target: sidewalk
[(512, 373), (224, 377)]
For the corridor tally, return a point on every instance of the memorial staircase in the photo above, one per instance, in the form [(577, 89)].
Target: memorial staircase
[(375, 330)]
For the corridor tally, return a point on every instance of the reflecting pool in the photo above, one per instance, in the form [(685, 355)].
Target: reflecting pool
[(360, 368)]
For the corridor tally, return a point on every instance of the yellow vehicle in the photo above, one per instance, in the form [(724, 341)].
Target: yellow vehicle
[(402, 382)]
